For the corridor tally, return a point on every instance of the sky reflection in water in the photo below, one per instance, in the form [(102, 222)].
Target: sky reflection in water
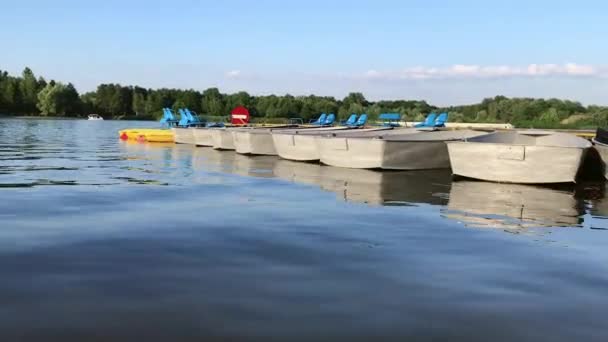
[(174, 242)]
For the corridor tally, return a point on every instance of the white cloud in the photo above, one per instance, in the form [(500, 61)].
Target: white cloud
[(372, 74), (472, 71), (233, 73), (576, 69)]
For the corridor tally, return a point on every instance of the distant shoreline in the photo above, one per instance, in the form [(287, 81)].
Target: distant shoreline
[(41, 117)]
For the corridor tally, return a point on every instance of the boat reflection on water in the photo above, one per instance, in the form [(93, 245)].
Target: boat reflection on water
[(513, 206), (371, 187), (353, 185), (474, 203), (597, 207), (208, 159)]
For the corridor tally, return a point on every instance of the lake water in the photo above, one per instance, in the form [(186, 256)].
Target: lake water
[(107, 240)]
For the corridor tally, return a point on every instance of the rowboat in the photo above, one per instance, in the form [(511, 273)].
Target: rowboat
[(222, 139), (184, 135), (528, 157), (301, 145), (202, 136), (398, 149), (602, 149), (600, 143), (255, 140)]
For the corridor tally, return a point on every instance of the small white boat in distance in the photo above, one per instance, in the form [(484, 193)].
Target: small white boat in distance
[(94, 117), (527, 157)]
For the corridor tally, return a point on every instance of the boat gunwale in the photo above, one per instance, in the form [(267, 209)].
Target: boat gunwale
[(595, 142), (312, 130), (509, 144), (395, 137)]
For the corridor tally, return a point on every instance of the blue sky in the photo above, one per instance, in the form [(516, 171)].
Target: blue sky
[(446, 52)]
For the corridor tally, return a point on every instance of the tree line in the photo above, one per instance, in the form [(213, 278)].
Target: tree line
[(28, 95)]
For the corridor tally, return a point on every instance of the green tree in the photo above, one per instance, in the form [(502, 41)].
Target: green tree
[(58, 99), (49, 99), (241, 98), (138, 105), (29, 91), (190, 99), (12, 95), (212, 102), (178, 104), (88, 103), (550, 116)]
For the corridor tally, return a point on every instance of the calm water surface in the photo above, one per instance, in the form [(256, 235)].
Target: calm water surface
[(107, 240)]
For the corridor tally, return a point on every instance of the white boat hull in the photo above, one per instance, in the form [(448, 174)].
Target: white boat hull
[(183, 135), (515, 163), (351, 153), (382, 154), (415, 155), (396, 149), (222, 139), (259, 143), (300, 144), (202, 136), (296, 147), (602, 150)]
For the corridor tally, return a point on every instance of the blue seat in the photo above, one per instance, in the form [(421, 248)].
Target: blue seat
[(320, 120), (390, 119), (428, 122), (184, 120), (168, 119), (361, 121), (194, 120), (441, 120), (165, 117), (169, 114), (329, 120), (352, 120)]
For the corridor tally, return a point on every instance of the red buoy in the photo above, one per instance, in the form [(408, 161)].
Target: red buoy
[(124, 136)]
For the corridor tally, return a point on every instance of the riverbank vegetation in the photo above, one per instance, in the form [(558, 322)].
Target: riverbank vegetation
[(28, 95)]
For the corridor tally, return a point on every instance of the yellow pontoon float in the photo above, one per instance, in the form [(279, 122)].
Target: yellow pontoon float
[(147, 135)]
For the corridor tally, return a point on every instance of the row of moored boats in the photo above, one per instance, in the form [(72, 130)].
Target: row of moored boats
[(514, 156)]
